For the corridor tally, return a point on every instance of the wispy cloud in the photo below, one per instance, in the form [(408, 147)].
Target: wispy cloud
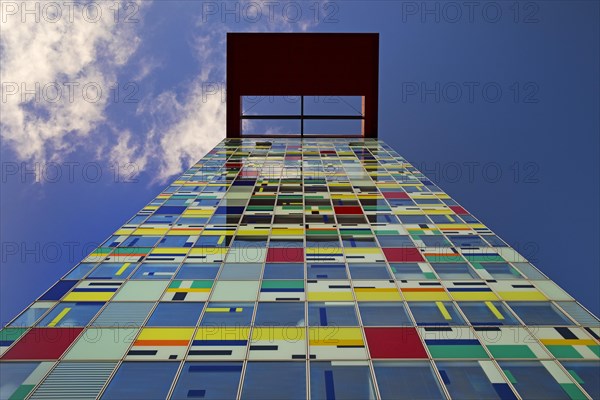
[(57, 73), (78, 57)]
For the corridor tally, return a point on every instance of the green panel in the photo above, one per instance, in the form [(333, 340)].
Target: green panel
[(11, 334), (559, 351), (573, 391), (21, 392), (511, 351), (292, 284), (510, 376), (576, 377), (457, 351)]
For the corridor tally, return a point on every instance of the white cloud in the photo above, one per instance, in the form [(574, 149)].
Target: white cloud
[(181, 124), (64, 58), (184, 131)]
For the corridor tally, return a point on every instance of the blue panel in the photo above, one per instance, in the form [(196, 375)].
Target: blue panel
[(208, 380), (57, 291), (175, 314), (141, 380), (275, 381)]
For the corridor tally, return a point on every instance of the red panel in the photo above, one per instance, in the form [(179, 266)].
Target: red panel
[(458, 210), (354, 210), (396, 195), (285, 254), (408, 254), (394, 343), (43, 344)]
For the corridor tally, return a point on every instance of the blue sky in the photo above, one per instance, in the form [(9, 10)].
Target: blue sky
[(497, 102)]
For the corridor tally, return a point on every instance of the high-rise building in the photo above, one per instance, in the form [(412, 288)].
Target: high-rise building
[(302, 266)]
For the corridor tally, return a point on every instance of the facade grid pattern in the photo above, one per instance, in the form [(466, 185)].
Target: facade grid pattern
[(308, 269)]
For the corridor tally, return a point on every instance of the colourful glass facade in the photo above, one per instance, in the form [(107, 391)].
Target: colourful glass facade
[(296, 269)]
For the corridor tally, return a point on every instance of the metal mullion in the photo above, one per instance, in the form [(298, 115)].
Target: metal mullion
[(251, 327)]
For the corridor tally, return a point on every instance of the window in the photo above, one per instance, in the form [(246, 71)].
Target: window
[(540, 380), (383, 314), (227, 314), (80, 271), (175, 314), (411, 271), (438, 313), (329, 380), (284, 271), (539, 313), (468, 380), (112, 271), (501, 271), (467, 241), (140, 241), (71, 314), (123, 314), (332, 314), (208, 380), (155, 271), (454, 271), (530, 271), (197, 271), (327, 271), (407, 380), (32, 314), (395, 241), (280, 314), (369, 271), (266, 380), (488, 313), (586, 374), (434, 241), (234, 271), (141, 380)]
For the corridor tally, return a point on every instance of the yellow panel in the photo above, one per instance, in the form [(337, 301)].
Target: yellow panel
[(184, 232), (453, 226), (378, 296), (219, 232), (522, 296), (229, 333), (170, 250), (425, 296), (443, 310), (438, 212), (122, 269), (253, 232), (89, 296), (166, 334), (151, 231), (474, 296), (478, 226), (330, 296), (494, 310), (59, 317), (334, 336), (568, 342), (205, 212), (362, 250), (124, 231), (288, 334), (287, 231), (203, 251)]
